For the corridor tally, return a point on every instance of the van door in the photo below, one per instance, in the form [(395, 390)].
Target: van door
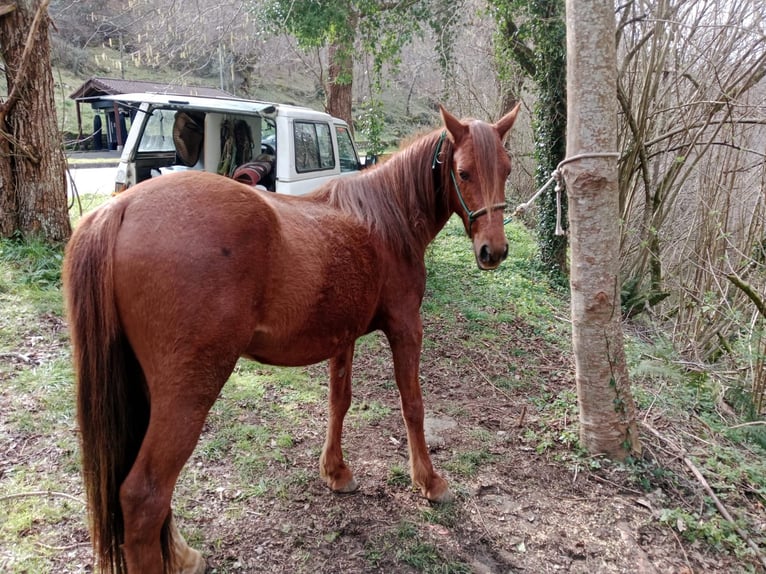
[(349, 160), (149, 146)]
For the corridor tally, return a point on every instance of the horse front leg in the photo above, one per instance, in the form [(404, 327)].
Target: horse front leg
[(406, 345), (332, 468)]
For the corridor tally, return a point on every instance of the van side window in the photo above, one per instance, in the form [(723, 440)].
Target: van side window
[(158, 132), (313, 147), (348, 159)]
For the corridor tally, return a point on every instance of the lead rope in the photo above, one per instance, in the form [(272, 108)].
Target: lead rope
[(559, 178)]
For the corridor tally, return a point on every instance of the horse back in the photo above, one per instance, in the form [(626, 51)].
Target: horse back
[(230, 271)]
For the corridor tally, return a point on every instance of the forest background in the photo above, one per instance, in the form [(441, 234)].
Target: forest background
[(691, 138), (691, 135)]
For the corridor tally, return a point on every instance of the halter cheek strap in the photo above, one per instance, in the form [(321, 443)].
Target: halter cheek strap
[(472, 215)]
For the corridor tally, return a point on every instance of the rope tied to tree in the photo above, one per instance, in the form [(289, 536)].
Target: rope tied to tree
[(557, 176)]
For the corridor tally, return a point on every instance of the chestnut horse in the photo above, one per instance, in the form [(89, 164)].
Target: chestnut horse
[(169, 283)]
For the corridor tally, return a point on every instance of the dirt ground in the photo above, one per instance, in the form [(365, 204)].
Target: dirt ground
[(520, 508)]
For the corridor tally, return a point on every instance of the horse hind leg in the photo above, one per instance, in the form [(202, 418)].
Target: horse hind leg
[(332, 468), (179, 409)]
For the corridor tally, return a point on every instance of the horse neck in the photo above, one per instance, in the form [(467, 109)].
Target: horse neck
[(403, 201), (413, 179)]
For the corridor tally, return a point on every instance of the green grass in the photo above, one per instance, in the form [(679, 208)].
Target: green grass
[(268, 417), (31, 262), (516, 290), (368, 412), (398, 476), (467, 464), (406, 543), (38, 410)]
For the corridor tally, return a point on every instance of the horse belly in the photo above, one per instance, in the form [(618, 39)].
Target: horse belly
[(297, 351), (328, 297)]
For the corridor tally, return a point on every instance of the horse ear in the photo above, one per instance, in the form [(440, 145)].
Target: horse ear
[(505, 123), (454, 126)]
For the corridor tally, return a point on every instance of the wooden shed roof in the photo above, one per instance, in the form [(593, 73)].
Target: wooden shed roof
[(97, 86)]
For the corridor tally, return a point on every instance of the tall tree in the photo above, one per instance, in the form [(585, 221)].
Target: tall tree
[(346, 28), (607, 411), (531, 33), (33, 197)]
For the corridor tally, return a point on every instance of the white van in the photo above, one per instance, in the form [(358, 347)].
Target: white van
[(291, 149)]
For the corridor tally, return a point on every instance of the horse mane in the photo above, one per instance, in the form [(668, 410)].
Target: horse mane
[(404, 200)]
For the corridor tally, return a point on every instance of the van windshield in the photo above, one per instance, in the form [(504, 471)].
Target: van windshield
[(158, 132)]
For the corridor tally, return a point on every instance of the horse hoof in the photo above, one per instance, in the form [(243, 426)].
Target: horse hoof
[(443, 498), (346, 488), (192, 562), (439, 492)]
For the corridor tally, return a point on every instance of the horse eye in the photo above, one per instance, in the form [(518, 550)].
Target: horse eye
[(464, 175)]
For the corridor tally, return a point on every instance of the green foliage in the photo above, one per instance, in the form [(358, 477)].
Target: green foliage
[(731, 469), (372, 124), (634, 299), (730, 457), (711, 529), (556, 430), (313, 24), (37, 262), (337, 23), (380, 29)]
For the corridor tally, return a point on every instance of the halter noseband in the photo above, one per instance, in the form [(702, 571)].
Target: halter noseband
[(472, 215)]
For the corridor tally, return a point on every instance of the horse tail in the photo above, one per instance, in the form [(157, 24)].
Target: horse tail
[(112, 404)]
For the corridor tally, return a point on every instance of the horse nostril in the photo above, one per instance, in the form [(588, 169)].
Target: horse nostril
[(484, 253), (505, 252)]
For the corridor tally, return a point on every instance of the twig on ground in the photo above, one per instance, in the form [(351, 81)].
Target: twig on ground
[(34, 493), (476, 508), (709, 491), (19, 356), (683, 551), (62, 548), (724, 512), (523, 414), (750, 424), (614, 484), (695, 437), (491, 384)]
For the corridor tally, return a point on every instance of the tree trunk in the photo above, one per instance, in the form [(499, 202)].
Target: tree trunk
[(33, 198), (339, 84), (607, 410)]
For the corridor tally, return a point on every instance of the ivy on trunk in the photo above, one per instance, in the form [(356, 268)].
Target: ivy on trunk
[(532, 34)]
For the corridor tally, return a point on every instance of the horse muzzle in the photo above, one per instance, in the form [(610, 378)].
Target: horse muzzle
[(489, 257)]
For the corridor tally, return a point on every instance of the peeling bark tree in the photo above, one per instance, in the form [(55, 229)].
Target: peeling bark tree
[(607, 411), (33, 197)]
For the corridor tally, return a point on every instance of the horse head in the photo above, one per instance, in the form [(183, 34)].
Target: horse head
[(480, 166)]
